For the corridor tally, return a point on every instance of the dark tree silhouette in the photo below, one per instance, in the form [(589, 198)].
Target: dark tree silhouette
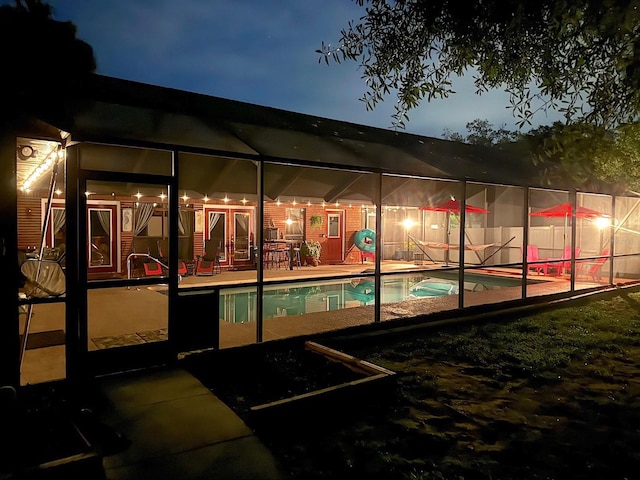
[(45, 64)]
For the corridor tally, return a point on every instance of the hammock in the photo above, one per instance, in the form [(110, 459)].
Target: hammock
[(449, 246), (471, 247)]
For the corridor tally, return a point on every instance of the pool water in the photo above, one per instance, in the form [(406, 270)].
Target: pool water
[(238, 305)]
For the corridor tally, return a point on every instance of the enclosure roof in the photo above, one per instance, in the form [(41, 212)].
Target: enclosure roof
[(135, 112)]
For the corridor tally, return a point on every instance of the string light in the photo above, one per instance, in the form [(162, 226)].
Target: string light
[(225, 199), (162, 196), (138, 195), (41, 169)]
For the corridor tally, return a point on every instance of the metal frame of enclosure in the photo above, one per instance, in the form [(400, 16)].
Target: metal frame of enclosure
[(185, 222)]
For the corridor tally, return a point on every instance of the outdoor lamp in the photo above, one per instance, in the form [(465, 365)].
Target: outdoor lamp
[(603, 222)]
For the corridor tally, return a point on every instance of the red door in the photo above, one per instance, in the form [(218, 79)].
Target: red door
[(334, 246)]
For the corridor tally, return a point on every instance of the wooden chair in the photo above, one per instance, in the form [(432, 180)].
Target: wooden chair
[(561, 264), (592, 269), (532, 257)]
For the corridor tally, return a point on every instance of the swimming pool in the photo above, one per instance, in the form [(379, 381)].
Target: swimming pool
[(238, 305)]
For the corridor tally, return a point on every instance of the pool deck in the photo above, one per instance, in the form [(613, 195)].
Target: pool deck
[(125, 316)]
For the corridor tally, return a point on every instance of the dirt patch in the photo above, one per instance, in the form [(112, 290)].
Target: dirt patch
[(257, 376)]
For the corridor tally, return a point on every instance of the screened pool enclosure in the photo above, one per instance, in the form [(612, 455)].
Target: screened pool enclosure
[(184, 222)]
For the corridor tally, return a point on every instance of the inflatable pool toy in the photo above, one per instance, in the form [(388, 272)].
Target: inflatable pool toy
[(365, 240), (363, 291), (429, 288)]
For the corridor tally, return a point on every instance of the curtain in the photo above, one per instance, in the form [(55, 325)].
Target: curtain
[(59, 216), (186, 222), (104, 217), (141, 217), (214, 218)]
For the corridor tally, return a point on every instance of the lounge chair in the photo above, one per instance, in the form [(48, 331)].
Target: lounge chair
[(209, 263), (142, 257), (163, 252), (592, 269)]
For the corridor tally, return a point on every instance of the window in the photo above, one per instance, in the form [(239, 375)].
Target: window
[(295, 223)]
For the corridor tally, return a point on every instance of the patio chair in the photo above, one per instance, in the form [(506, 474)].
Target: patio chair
[(142, 257), (532, 258), (209, 263), (163, 252), (561, 264), (592, 268)]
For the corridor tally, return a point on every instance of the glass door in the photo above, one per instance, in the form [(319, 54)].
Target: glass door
[(241, 235), (102, 239)]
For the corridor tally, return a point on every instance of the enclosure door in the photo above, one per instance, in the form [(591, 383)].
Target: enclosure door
[(102, 239), (334, 244)]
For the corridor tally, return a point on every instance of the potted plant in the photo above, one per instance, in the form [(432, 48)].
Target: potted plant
[(310, 252)]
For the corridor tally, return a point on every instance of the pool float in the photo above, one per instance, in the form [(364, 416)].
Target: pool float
[(363, 291), (429, 288), (365, 240)]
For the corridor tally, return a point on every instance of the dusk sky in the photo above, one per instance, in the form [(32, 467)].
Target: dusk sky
[(257, 51)]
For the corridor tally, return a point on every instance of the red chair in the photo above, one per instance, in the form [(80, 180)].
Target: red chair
[(561, 264), (592, 268), (366, 255), (532, 258)]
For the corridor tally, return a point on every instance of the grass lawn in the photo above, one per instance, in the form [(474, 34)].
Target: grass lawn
[(551, 395)]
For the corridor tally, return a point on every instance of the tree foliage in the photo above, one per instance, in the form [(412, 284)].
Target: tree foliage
[(578, 57), (481, 132), (46, 64), (581, 154), (588, 154)]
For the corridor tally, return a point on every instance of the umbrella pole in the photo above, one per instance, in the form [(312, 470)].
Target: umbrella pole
[(564, 234), (446, 253)]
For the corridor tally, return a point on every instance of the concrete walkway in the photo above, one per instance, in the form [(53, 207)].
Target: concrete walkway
[(178, 429)]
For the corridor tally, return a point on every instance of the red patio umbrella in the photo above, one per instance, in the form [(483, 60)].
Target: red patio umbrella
[(566, 210), (452, 206)]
